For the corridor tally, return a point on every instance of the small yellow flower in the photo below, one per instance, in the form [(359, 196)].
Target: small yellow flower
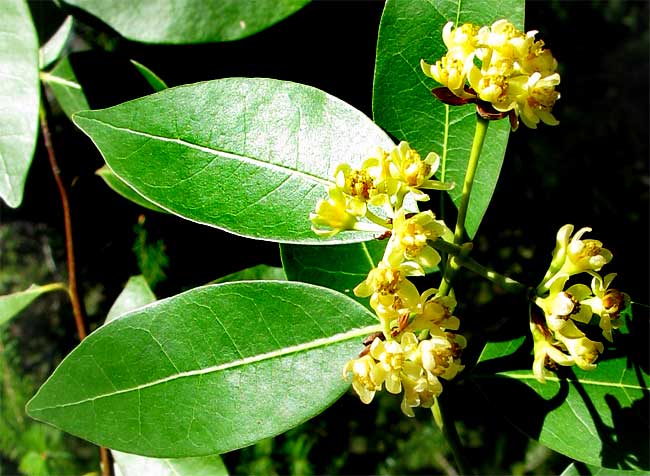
[(435, 313), (409, 239), (336, 214), (546, 353), (390, 358), (607, 304), (561, 306), (440, 354), (582, 255), (385, 285), (362, 377), (412, 173), (583, 350)]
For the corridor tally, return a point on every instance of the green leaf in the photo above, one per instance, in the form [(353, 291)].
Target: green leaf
[(587, 470), (254, 273), (135, 294), (598, 417), (12, 304), (123, 189), (152, 78), (189, 21), (19, 96), (339, 267), (248, 155), (65, 87), (51, 51), (207, 371), (411, 30), (133, 465)]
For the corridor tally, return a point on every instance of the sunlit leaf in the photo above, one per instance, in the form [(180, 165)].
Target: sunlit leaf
[(152, 78), (581, 469), (598, 417), (135, 294), (51, 51), (12, 304), (189, 21), (213, 153), (411, 30), (65, 87), (123, 189), (260, 271), (339, 267), (19, 97), (207, 371), (134, 465)]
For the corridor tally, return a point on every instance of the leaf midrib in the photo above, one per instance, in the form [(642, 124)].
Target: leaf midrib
[(216, 152), (558, 380), (336, 338)]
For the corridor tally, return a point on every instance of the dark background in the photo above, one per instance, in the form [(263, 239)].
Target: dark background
[(591, 170)]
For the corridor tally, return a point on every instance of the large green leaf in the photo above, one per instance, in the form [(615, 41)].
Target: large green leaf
[(12, 304), (411, 30), (65, 87), (19, 96), (136, 294), (257, 272), (207, 371), (339, 267), (248, 155), (189, 21), (598, 417), (134, 465)]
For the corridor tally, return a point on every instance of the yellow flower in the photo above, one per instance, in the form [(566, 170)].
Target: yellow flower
[(337, 214), (420, 388), (440, 354), (362, 377), (412, 173), (583, 350), (387, 286), (607, 304), (546, 353), (435, 312), (582, 255), (409, 239), (561, 306), (390, 358)]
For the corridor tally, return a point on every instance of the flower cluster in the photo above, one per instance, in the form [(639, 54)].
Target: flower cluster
[(415, 348), (516, 77), (384, 180), (558, 338)]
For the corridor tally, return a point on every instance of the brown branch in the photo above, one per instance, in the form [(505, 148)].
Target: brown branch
[(77, 309)]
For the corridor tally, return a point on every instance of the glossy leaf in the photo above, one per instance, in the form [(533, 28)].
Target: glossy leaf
[(135, 294), (19, 96), (12, 304), (339, 267), (152, 78), (134, 465), (598, 417), (189, 21), (411, 30), (123, 189), (65, 87), (587, 470), (207, 371), (213, 153), (254, 273), (51, 51)]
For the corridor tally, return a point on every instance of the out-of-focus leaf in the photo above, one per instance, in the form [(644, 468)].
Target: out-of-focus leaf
[(254, 273), (19, 97), (207, 371), (133, 465), (189, 21), (579, 469), (12, 304), (65, 87), (123, 189), (51, 51), (411, 30), (213, 153), (135, 294), (339, 267), (598, 417), (152, 78)]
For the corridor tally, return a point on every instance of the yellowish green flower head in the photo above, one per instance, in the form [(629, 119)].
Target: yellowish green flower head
[(583, 350), (561, 306), (338, 213), (516, 74), (547, 353), (578, 255), (607, 304), (435, 313)]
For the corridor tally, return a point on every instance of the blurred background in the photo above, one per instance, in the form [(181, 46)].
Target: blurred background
[(591, 170)]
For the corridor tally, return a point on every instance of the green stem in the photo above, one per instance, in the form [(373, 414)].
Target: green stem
[(453, 440), (460, 258), (459, 232), (377, 220)]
